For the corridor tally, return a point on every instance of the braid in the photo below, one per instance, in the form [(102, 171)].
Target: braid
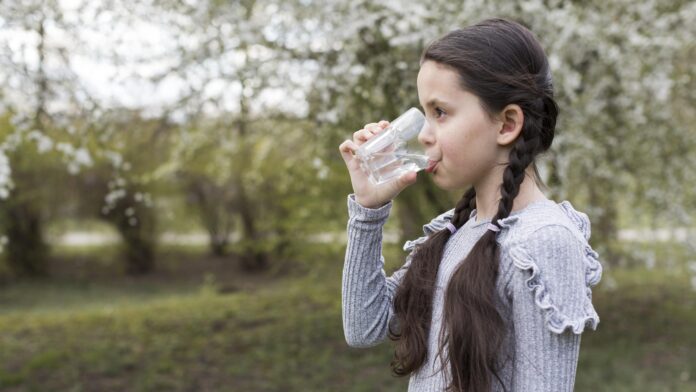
[(464, 207), (522, 154)]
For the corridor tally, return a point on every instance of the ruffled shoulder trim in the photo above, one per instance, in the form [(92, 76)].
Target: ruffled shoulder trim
[(579, 219), (557, 320), (593, 270), (438, 223)]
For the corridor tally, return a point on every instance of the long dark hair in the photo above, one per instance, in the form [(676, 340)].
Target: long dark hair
[(502, 63)]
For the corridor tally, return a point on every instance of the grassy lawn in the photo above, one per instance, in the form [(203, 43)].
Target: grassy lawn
[(213, 329)]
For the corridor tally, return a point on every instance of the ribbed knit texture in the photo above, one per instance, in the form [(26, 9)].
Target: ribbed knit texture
[(546, 271)]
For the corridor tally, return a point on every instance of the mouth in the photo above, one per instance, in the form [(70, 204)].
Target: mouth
[(432, 165)]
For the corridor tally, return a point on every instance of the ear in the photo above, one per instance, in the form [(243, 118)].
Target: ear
[(511, 119)]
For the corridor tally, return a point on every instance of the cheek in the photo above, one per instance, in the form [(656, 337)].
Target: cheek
[(463, 140), (468, 147)]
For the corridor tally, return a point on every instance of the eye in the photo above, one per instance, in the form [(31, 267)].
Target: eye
[(438, 112)]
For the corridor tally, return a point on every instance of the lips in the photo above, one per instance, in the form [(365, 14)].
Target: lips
[(431, 166)]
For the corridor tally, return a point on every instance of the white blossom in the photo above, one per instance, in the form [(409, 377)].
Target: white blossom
[(6, 183)]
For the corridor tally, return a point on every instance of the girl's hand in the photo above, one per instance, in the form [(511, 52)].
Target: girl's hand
[(367, 194)]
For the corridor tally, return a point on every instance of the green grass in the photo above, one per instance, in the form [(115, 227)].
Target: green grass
[(286, 335), (645, 340), (59, 295)]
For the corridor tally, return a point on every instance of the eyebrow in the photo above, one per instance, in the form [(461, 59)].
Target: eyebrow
[(434, 102)]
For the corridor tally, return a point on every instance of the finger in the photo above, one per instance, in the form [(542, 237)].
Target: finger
[(409, 178), (374, 128), (405, 180), (347, 149), (362, 135)]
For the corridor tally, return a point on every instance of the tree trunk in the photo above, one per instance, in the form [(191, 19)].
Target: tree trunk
[(26, 248), (140, 258), (251, 257), (218, 247), (137, 230), (212, 202), (604, 226)]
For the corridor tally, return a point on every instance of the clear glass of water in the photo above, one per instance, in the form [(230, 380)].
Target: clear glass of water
[(395, 150)]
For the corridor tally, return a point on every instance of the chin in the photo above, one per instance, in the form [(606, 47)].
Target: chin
[(442, 183), (449, 186)]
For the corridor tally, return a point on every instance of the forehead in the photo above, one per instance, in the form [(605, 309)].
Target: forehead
[(438, 82)]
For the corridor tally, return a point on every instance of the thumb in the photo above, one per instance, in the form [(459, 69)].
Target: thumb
[(407, 179)]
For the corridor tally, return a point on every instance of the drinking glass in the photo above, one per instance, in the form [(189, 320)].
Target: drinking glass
[(395, 150)]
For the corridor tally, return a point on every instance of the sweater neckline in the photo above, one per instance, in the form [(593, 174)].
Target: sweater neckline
[(537, 203)]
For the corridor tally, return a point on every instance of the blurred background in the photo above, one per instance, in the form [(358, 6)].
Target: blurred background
[(173, 202)]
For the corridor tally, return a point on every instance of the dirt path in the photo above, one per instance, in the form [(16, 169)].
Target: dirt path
[(77, 238)]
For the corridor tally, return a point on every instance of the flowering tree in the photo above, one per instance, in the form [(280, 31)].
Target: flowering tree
[(260, 93), (41, 101), (622, 77), (241, 116), (51, 112)]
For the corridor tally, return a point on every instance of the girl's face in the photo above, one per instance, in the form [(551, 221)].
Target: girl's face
[(458, 133)]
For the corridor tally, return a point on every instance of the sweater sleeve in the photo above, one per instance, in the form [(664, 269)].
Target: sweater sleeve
[(366, 290), (551, 305)]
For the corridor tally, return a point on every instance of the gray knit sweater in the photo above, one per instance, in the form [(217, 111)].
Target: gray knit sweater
[(546, 271)]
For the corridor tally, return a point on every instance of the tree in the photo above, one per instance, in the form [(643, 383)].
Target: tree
[(233, 144), (621, 74), (36, 98)]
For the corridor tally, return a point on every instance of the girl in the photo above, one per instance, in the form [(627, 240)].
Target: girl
[(496, 294)]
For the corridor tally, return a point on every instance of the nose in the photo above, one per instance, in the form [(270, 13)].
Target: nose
[(425, 137)]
